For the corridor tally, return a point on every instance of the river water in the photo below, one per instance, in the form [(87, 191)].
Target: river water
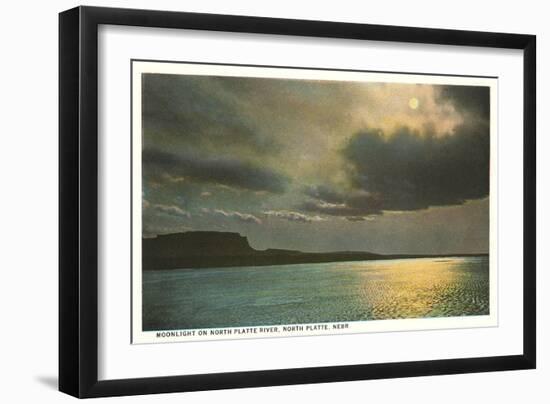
[(315, 293)]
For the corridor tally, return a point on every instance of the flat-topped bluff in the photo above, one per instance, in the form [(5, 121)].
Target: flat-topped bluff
[(197, 243)]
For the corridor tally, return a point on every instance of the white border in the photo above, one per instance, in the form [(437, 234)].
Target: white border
[(119, 359), (139, 336)]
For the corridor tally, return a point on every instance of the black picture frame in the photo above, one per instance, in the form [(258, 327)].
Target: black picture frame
[(78, 200)]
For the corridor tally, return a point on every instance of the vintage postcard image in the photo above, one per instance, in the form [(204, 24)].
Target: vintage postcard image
[(279, 202)]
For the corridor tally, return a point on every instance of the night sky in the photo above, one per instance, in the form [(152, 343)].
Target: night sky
[(318, 165)]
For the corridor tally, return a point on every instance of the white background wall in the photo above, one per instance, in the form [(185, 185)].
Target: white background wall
[(28, 201)]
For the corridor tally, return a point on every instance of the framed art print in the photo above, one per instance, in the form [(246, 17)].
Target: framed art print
[(261, 193), (357, 197)]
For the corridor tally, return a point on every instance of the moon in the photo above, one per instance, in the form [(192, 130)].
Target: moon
[(413, 103)]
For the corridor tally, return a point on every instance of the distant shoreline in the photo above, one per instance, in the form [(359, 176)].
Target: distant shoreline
[(307, 258), (220, 249)]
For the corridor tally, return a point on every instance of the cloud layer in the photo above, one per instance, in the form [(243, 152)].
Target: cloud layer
[(243, 217), (212, 169), (293, 216)]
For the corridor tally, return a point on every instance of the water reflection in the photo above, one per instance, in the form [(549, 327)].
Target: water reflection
[(425, 288)]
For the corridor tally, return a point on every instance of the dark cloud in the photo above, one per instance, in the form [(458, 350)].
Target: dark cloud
[(197, 110), (468, 99), (408, 171), (218, 170)]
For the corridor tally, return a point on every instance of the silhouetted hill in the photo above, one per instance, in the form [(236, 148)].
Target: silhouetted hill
[(201, 249), (197, 243)]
